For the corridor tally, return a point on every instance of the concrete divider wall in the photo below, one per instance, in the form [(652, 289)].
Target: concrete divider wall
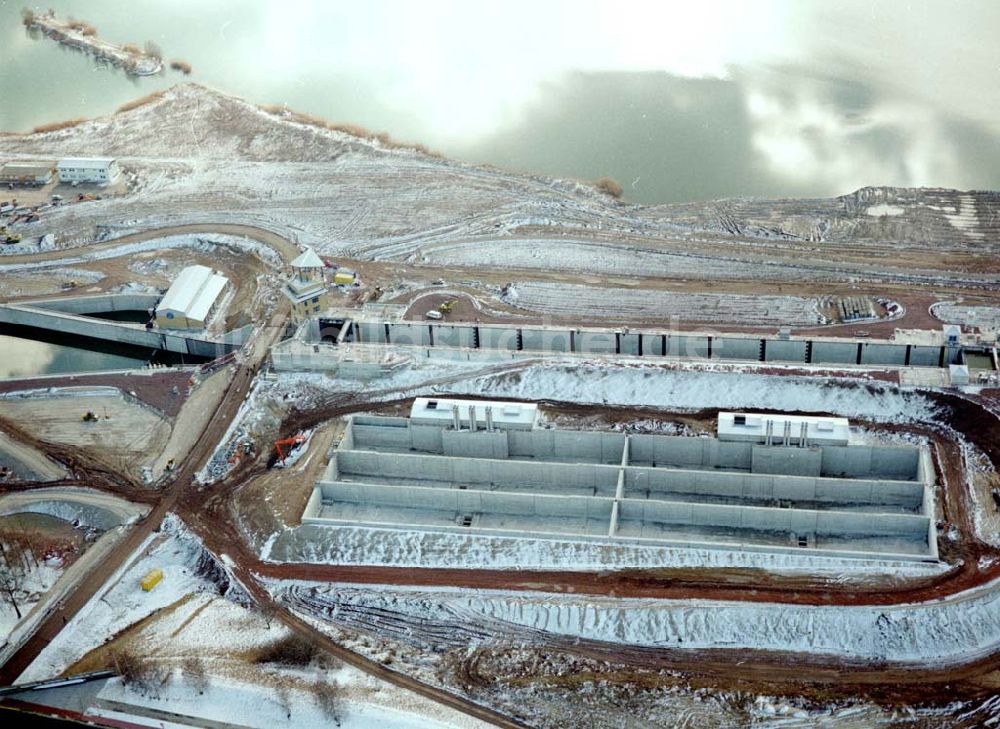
[(585, 446), (371, 332), (924, 356), (828, 523), (489, 472), (785, 350), (474, 444), (834, 352), (542, 340), (681, 451), (897, 463), (100, 303), (732, 348), (418, 334), (628, 343), (447, 335), (786, 460), (652, 344), (468, 501), (314, 504), (901, 495), (872, 353), (596, 342), (683, 345), (503, 338)]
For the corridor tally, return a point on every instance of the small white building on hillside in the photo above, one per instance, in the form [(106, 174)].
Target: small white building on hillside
[(191, 299), (99, 170)]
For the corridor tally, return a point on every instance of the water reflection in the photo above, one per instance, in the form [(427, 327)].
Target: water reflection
[(678, 101)]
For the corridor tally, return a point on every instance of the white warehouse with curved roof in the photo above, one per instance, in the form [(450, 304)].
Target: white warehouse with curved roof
[(191, 299)]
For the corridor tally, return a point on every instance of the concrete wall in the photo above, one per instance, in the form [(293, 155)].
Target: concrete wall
[(834, 352), (824, 493), (684, 452), (447, 335), (896, 463), (798, 521), (567, 445), (482, 473), (781, 350), (101, 303), (872, 353), (786, 460), (732, 348), (120, 332), (415, 334)]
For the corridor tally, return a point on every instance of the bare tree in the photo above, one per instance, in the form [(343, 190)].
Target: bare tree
[(194, 672), (328, 698), (153, 50), (11, 584), (139, 672)]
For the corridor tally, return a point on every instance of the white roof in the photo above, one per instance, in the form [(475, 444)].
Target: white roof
[(193, 292), (308, 259), (88, 162), (820, 429), (504, 413)]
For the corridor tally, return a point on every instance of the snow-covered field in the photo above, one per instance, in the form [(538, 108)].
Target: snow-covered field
[(954, 630), (123, 602), (571, 300), (985, 317)]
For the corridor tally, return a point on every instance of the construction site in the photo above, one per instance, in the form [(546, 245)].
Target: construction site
[(402, 441)]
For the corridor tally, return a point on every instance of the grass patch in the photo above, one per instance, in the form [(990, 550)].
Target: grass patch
[(142, 101), (354, 130), (56, 126), (608, 186)]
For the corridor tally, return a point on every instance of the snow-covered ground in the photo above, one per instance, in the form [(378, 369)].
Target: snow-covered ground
[(569, 300), (37, 581), (122, 601), (984, 317), (950, 631)]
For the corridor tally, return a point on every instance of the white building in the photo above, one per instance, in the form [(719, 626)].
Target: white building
[(959, 374), (502, 415), (27, 173), (778, 429), (100, 170), (191, 299)]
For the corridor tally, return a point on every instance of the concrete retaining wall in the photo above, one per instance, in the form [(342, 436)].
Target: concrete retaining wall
[(641, 482), (120, 332)]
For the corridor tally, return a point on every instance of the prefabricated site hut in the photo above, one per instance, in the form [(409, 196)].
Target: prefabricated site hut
[(99, 170), (34, 173), (191, 299)]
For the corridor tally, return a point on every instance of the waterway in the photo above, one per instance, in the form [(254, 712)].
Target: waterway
[(677, 101), (29, 352)]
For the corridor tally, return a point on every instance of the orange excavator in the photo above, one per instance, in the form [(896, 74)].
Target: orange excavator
[(285, 446)]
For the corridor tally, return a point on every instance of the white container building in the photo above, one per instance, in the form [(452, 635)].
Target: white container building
[(781, 429), (499, 415), (99, 170)]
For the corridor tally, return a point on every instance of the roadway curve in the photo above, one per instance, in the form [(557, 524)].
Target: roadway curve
[(184, 483)]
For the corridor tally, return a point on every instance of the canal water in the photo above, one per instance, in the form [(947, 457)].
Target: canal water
[(676, 101), (29, 352)]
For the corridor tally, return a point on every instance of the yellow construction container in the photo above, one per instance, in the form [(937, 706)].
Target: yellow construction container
[(343, 277), (151, 580)]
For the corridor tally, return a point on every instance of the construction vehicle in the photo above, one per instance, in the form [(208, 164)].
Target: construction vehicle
[(11, 238), (67, 285), (152, 579), (447, 306), (90, 417), (285, 446)]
